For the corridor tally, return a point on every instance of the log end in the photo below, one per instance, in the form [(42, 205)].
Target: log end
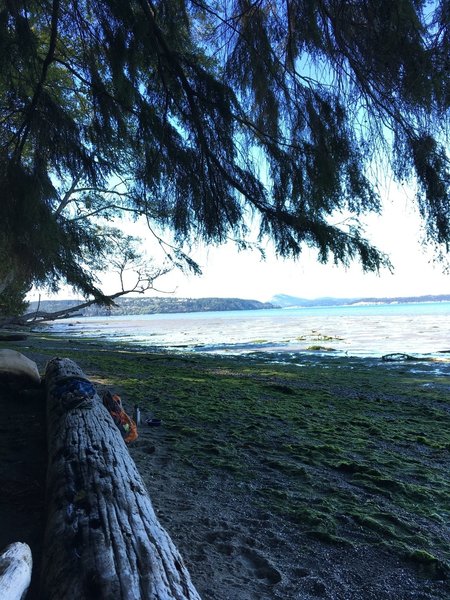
[(16, 564), (17, 371)]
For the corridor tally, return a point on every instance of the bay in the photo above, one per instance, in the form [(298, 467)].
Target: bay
[(420, 329)]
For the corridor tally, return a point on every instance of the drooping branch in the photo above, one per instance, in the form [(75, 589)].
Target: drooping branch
[(32, 318), (209, 114), (67, 198), (26, 126)]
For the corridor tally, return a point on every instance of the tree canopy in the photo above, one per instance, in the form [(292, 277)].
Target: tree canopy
[(205, 116)]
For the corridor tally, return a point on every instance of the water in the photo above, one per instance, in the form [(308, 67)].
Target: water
[(419, 329)]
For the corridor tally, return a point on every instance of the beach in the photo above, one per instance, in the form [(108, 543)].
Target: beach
[(326, 477), (421, 328)]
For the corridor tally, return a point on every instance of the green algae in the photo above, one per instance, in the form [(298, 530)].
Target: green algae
[(348, 451), (318, 348)]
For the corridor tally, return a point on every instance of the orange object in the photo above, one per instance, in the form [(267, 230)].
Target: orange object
[(125, 423)]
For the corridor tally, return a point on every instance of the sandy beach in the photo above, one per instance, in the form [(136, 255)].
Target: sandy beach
[(274, 482)]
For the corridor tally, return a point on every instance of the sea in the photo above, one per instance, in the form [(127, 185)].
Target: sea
[(420, 330)]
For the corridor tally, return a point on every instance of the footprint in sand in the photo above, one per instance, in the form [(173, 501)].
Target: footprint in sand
[(147, 448), (261, 567), (315, 587), (221, 536), (256, 564), (227, 549)]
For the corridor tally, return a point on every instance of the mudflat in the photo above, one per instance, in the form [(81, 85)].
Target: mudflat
[(321, 478)]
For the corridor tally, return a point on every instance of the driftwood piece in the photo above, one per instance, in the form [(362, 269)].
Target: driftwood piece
[(102, 539), (17, 371), (15, 571)]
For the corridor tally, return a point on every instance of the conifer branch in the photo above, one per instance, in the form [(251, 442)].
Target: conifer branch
[(24, 130)]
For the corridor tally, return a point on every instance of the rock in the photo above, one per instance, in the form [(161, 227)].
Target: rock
[(17, 371), (397, 356)]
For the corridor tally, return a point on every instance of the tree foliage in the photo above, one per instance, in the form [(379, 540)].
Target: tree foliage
[(204, 116), (134, 272), (12, 299)]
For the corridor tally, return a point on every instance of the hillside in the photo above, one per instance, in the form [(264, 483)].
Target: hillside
[(144, 306), (285, 301)]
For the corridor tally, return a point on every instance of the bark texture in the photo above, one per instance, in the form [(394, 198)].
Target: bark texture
[(102, 539), (15, 571)]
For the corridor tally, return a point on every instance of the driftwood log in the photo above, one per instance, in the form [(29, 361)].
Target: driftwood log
[(102, 539), (17, 372), (15, 571)]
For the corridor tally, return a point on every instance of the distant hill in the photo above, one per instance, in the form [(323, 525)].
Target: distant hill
[(285, 301), (143, 306)]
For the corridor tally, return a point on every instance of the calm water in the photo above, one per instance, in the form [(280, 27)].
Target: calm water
[(418, 329)]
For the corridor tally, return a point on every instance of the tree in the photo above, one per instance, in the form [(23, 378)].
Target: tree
[(136, 274), (203, 117), (12, 299)]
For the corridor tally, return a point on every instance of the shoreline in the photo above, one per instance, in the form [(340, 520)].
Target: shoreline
[(354, 332), (278, 481)]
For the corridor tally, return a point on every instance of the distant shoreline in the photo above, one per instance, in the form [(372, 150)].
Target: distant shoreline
[(162, 305), (285, 301), (128, 306)]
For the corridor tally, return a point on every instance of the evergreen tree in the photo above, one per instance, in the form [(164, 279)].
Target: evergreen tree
[(202, 116), (12, 299)]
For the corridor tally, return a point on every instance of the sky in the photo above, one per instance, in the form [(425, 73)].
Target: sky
[(229, 273)]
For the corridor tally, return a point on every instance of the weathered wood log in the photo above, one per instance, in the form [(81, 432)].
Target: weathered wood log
[(17, 371), (102, 538), (15, 571)]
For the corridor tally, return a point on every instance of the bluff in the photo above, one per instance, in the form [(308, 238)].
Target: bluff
[(145, 306)]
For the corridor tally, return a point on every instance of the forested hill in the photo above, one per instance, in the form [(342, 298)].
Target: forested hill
[(143, 306), (285, 301)]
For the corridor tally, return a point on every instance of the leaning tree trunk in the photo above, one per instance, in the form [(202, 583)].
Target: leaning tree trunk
[(102, 540)]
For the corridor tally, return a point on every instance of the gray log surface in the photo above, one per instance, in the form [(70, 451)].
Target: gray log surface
[(102, 540), (15, 571)]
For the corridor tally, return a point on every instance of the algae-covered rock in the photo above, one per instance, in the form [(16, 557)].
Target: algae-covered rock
[(17, 371)]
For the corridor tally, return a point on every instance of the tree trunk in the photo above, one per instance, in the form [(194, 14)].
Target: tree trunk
[(102, 539), (15, 571)]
